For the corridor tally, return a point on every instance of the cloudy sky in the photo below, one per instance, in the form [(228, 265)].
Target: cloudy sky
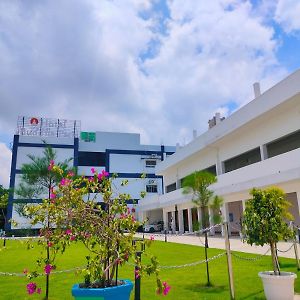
[(157, 67)]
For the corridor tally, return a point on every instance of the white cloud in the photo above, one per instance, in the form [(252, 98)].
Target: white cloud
[(287, 15), (86, 60), (5, 160)]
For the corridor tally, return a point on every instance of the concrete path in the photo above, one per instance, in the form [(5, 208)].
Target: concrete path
[(219, 242)]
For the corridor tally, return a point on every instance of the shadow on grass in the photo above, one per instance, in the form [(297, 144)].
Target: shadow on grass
[(256, 296), (212, 289)]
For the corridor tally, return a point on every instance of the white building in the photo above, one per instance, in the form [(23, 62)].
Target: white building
[(257, 146), (117, 153)]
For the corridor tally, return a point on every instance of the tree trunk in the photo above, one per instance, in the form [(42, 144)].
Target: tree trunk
[(274, 259)]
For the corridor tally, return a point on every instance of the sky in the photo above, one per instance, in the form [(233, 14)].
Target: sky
[(160, 68)]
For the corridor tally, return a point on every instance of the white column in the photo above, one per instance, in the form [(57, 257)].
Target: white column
[(165, 219), (211, 220), (225, 215), (263, 152), (199, 216), (173, 222), (190, 220), (298, 200), (244, 205), (180, 221)]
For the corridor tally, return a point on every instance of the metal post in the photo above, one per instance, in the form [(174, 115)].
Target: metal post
[(296, 254), (206, 258), (229, 262), (4, 241), (137, 280), (165, 235)]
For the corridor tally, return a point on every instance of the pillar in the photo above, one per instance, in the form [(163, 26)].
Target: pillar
[(211, 220), (199, 217), (263, 152), (225, 215), (173, 222), (190, 220), (180, 221), (165, 219)]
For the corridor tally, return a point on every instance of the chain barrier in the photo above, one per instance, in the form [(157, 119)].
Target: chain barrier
[(250, 258), (283, 251), (189, 264), (194, 263), (53, 272)]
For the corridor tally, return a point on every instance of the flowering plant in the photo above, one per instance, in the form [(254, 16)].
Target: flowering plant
[(88, 210)]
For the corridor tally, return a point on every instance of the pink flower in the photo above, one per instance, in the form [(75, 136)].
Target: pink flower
[(51, 164), (72, 237), (50, 244), (133, 210), (68, 232), (93, 170), (52, 196), (71, 174), (137, 274), (39, 290), (103, 174), (63, 181), (166, 288), (31, 288), (151, 237), (48, 269), (91, 179)]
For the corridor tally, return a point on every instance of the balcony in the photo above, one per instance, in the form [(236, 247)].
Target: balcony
[(272, 171)]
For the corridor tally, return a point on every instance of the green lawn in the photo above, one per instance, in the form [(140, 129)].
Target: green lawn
[(186, 283)]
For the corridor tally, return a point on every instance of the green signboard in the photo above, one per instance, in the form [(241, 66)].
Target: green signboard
[(88, 136)]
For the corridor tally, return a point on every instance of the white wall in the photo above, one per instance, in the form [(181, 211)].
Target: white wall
[(48, 140), (112, 140), (22, 154)]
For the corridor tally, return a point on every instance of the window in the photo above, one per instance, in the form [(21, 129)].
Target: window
[(284, 144), (211, 170), (171, 187), (151, 188), (242, 160), (94, 159), (150, 163)]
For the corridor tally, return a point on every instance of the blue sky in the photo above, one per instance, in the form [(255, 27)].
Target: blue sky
[(157, 67)]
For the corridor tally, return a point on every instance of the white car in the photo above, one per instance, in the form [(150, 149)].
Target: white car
[(153, 227)]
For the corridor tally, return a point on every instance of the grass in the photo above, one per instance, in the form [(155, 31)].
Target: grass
[(186, 283)]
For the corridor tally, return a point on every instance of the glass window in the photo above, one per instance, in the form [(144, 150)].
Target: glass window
[(93, 159), (150, 163), (151, 188)]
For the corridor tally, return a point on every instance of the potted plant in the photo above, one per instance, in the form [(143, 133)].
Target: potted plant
[(265, 222), (90, 211)]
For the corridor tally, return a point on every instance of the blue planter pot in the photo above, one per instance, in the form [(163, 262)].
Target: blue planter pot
[(120, 292)]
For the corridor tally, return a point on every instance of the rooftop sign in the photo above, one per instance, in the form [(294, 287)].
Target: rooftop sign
[(48, 127)]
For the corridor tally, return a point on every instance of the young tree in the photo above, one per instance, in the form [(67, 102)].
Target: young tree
[(265, 220), (38, 181), (198, 184)]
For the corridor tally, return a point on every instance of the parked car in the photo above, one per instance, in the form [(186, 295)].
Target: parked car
[(157, 226)]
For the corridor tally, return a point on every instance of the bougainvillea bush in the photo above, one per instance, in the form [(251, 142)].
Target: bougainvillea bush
[(89, 211)]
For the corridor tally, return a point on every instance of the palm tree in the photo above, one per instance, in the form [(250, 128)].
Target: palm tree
[(198, 184), (37, 181)]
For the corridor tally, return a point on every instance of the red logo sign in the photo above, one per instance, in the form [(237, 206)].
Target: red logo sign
[(34, 121)]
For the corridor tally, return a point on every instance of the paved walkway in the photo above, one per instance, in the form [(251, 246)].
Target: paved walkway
[(219, 242)]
